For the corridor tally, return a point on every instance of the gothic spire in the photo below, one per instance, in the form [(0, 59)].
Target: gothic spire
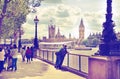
[(81, 23)]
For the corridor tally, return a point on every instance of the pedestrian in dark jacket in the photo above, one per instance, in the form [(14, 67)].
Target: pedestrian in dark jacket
[(32, 52), (9, 60), (60, 56), (28, 54)]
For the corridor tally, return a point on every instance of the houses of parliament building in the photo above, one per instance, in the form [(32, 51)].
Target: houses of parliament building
[(54, 36)]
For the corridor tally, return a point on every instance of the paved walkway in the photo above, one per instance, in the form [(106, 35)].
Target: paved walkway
[(37, 69)]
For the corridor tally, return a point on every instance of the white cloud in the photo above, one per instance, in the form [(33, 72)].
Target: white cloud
[(64, 17), (53, 1), (67, 16)]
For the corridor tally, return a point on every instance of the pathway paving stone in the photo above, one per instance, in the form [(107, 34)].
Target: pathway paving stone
[(37, 69)]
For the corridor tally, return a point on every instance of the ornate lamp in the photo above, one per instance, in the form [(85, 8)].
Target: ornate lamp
[(36, 45), (109, 44)]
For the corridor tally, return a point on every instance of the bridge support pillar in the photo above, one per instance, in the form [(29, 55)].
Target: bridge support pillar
[(104, 67)]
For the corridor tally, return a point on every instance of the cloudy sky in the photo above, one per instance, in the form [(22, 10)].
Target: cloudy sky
[(66, 14)]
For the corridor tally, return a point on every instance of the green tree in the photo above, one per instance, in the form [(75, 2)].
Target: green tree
[(95, 42), (3, 8), (14, 16)]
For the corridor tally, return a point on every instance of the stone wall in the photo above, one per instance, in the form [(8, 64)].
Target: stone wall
[(104, 67)]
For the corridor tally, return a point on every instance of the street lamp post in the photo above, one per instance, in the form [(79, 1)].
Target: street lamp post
[(109, 40), (109, 49), (36, 39)]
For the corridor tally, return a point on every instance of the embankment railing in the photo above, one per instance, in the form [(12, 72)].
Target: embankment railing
[(73, 62)]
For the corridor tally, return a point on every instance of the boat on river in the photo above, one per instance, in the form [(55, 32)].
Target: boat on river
[(82, 47), (54, 45)]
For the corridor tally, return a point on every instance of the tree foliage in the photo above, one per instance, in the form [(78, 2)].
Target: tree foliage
[(91, 42), (14, 16)]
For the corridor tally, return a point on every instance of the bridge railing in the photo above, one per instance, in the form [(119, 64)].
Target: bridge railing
[(76, 63)]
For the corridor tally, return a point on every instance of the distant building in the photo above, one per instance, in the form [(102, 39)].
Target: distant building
[(51, 30), (81, 32), (94, 39), (98, 36), (54, 36), (59, 36), (95, 35)]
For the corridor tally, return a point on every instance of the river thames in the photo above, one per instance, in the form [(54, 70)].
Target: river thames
[(84, 52), (73, 51)]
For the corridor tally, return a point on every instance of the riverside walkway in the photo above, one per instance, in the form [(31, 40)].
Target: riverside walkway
[(37, 69)]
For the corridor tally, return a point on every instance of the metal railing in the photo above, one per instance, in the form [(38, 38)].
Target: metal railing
[(118, 69), (75, 62)]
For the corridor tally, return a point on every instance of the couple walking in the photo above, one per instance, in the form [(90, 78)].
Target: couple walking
[(60, 56), (12, 58), (27, 53)]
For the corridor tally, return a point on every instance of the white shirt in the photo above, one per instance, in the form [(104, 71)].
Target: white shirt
[(2, 53), (14, 53), (23, 52)]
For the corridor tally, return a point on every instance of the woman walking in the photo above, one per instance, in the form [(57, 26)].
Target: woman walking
[(14, 54), (2, 53), (28, 54)]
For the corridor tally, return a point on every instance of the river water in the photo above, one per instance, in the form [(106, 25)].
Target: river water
[(80, 52), (83, 63), (84, 52)]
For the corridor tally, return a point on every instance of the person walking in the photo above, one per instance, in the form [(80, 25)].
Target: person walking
[(28, 54), (23, 53), (2, 53), (6, 54), (14, 54), (6, 51), (32, 52), (60, 56)]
